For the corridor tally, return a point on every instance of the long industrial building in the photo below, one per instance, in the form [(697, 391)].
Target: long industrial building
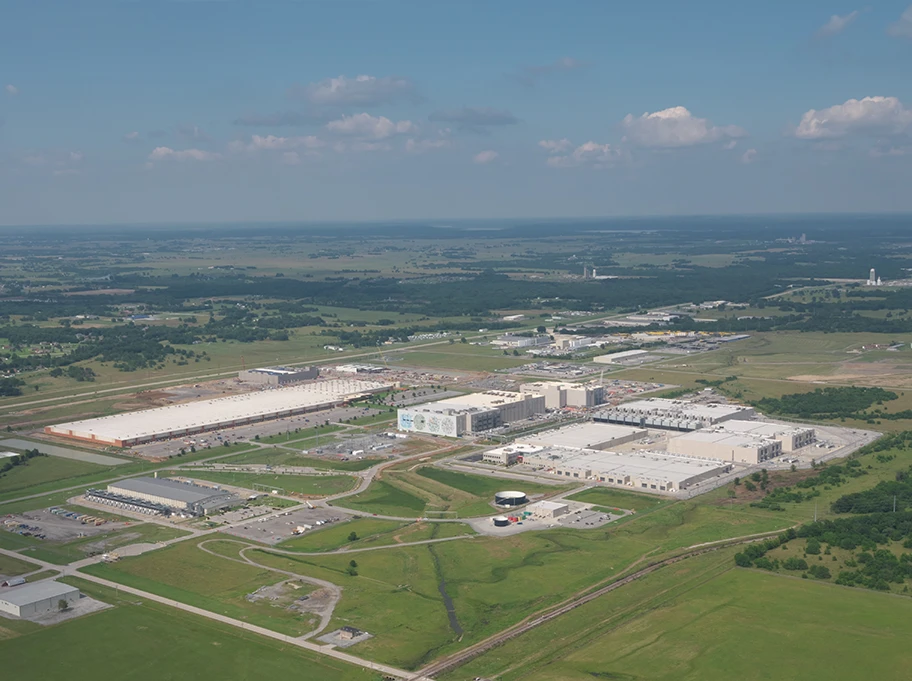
[(278, 375), (163, 423), (179, 496), (657, 412), (645, 471), (470, 413), (587, 435), (725, 446)]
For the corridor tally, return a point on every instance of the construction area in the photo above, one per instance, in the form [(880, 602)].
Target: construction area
[(177, 420)]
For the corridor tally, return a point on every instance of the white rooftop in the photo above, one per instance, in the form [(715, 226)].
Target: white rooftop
[(547, 506), (663, 405), (635, 464), (759, 428), (487, 400), (725, 438), (583, 435), (36, 591), (209, 413)]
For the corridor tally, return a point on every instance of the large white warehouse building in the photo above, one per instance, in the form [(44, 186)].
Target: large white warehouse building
[(725, 446), (791, 437), (176, 420), (470, 413), (586, 436), (559, 395)]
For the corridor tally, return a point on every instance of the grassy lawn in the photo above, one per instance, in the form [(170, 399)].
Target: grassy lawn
[(285, 457), (618, 498), (185, 573), (299, 434), (745, 625), (146, 641), (385, 499), (48, 469), (10, 567), (310, 485)]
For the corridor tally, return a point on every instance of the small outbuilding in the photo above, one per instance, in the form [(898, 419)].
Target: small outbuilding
[(37, 598)]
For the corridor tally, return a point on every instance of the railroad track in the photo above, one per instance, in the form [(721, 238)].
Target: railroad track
[(458, 659)]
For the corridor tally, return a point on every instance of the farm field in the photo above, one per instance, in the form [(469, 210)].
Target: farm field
[(147, 641), (188, 574), (308, 485)]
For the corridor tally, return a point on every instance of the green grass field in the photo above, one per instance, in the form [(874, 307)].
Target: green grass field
[(618, 498), (309, 485), (373, 532), (286, 457), (48, 469), (186, 573), (145, 641), (10, 566)]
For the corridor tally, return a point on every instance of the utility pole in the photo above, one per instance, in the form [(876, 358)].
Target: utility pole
[(815, 511)]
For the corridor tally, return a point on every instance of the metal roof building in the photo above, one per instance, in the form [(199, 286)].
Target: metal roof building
[(36, 598), (278, 375), (182, 496), (176, 420), (791, 437), (470, 413), (658, 412), (725, 446)]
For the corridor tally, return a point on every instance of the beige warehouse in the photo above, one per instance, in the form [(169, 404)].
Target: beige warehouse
[(724, 446)]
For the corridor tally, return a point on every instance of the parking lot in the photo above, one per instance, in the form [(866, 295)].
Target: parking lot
[(56, 528), (279, 528)]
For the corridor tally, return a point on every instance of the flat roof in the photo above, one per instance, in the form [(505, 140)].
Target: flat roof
[(760, 428), (643, 464), (624, 354), (724, 438), (221, 410), (546, 505), (279, 371), (489, 399), (583, 435), (35, 591), (170, 489), (661, 404)]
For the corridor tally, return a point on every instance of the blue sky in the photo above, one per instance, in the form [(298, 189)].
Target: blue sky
[(318, 110)]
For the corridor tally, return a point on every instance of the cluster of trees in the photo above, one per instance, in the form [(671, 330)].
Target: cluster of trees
[(11, 386), (11, 462), (881, 498), (826, 402), (78, 373)]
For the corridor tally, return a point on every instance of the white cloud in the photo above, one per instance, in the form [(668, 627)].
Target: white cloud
[(419, 146), (485, 157), (749, 156), (75, 157), (589, 154), (371, 127), (556, 146), (836, 24), (675, 127), (11, 90), (131, 136), (273, 143), (361, 145), (167, 153), (875, 114), (731, 144), (902, 28), (360, 90), (891, 151)]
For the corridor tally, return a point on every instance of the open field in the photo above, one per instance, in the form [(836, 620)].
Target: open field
[(10, 567), (185, 573), (147, 641), (286, 457), (405, 492), (308, 485), (372, 532), (42, 470)]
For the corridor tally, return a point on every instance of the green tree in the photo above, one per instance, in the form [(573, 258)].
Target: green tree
[(352, 536)]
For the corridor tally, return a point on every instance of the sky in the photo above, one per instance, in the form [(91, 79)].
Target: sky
[(342, 110)]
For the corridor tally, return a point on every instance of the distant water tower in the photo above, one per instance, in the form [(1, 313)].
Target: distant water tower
[(872, 278)]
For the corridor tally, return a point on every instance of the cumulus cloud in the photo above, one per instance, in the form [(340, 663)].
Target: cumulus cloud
[(167, 153), (131, 136), (371, 127), (475, 119), (282, 119), (590, 154), (902, 28), (837, 24), (530, 75), (555, 146), (358, 91), (883, 115), (485, 157), (419, 146), (11, 90), (59, 162), (749, 156), (675, 127), (273, 143)]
